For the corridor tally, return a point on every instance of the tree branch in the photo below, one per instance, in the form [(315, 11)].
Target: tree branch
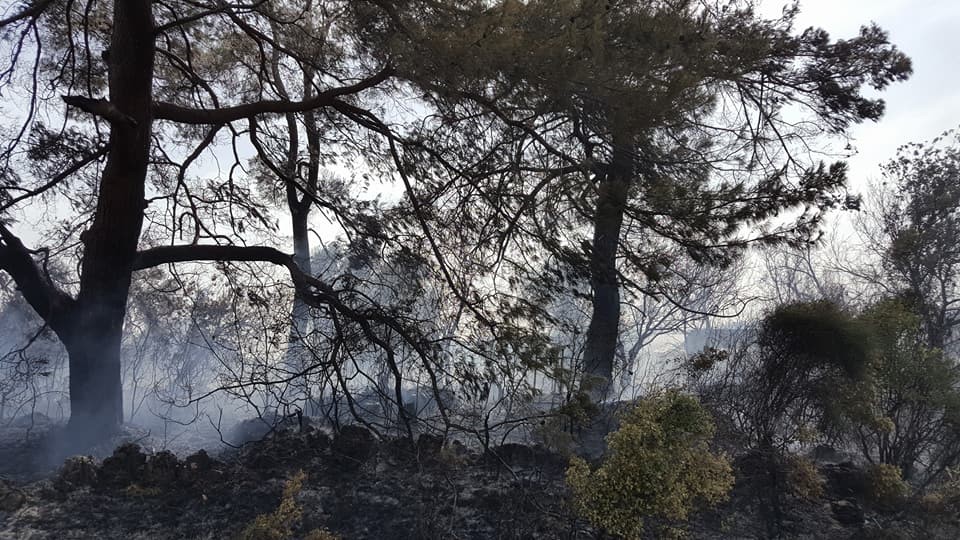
[(76, 166), (50, 303), (32, 11), (313, 291), (187, 115), (200, 253), (100, 107), (193, 17)]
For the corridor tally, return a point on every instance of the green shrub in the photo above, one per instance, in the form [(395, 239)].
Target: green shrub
[(141, 492), (658, 465), (553, 435), (909, 403), (885, 485), (705, 361), (556, 432), (279, 524), (453, 457), (803, 478), (944, 498), (936, 504)]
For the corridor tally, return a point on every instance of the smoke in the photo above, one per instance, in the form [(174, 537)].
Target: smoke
[(207, 363), (32, 366)]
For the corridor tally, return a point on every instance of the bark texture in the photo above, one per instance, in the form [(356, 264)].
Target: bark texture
[(601, 343), (93, 340)]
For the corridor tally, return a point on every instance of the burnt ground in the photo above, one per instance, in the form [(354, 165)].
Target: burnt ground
[(357, 487)]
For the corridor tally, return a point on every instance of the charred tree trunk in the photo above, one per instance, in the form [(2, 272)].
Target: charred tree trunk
[(300, 206), (300, 194), (601, 343), (300, 314), (110, 244)]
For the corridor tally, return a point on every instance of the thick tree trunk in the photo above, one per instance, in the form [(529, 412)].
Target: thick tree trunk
[(601, 344), (110, 244), (96, 395)]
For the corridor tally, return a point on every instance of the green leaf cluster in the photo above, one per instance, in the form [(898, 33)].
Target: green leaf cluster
[(885, 485), (907, 409), (659, 465)]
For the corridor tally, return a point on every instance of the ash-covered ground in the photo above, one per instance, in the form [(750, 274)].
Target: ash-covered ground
[(358, 487)]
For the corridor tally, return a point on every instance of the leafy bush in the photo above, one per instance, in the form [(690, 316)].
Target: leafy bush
[(907, 409), (141, 492), (658, 464), (944, 498), (934, 504), (554, 435), (279, 524), (806, 349), (885, 485), (454, 456), (556, 432), (803, 478), (705, 360), (775, 389)]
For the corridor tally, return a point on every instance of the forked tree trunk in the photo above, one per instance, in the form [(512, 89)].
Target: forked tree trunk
[(93, 337), (601, 343)]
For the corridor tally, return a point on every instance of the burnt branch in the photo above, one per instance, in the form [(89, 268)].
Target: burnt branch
[(199, 253), (102, 108), (33, 11), (314, 292), (50, 303), (224, 115), (69, 171)]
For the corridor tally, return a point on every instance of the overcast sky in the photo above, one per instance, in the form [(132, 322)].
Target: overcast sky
[(923, 107)]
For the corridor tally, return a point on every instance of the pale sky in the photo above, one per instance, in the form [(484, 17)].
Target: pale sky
[(917, 110)]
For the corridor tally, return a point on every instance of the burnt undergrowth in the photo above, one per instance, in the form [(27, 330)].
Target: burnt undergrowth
[(358, 486)]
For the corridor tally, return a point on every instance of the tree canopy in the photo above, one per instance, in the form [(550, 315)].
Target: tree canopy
[(557, 145), (611, 131)]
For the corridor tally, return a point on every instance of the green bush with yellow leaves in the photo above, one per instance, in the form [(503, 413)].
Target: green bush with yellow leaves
[(885, 485), (658, 465), (803, 478), (280, 524)]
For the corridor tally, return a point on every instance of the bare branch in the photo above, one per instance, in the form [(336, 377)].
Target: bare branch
[(50, 303), (31, 12), (224, 115), (58, 178), (200, 253), (102, 108)]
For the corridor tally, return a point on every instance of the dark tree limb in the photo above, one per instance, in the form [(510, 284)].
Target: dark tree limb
[(50, 303), (33, 11), (194, 17), (200, 253), (313, 291), (224, 115), (102, 108)]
